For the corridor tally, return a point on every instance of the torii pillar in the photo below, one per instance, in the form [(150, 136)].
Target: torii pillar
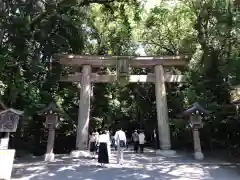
[(84, 112), (162, 113)]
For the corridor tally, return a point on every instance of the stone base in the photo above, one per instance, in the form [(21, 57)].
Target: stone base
[(80, 153), (49, 157), (199, 155), (166, 153), (6, 163)]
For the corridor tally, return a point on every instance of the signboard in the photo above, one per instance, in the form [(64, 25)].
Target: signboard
[(8, 122), (6, 163), (4, 143), (122, 67)]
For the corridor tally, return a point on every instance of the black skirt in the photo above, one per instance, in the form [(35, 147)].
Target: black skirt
[(93, 147), (103, 153)]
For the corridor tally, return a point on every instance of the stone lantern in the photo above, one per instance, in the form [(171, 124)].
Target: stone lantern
[(51, 114), (195, 115), (9, 119)]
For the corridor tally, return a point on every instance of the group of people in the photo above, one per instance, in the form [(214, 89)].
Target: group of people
[(138, 139), (100, 144)]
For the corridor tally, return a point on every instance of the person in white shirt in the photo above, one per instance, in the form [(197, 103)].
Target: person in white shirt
[(121, 140), (141, 140), (103, 156)]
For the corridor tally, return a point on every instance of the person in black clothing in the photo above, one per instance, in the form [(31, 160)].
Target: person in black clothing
[(154, 139), (103, 154)]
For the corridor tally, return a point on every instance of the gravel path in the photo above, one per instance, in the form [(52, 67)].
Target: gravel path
[(145, 166)]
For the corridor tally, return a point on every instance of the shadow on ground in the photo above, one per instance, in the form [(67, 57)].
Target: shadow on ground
[(145, 166)]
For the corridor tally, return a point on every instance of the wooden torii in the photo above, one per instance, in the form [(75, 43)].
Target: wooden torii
[(123, 64)]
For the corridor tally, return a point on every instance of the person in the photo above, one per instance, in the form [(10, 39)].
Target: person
[(154, 139), (135, 139), (103, 156), (112, 141), (93, 144), (115, 144), (128, 141), (141, 140), (109, 144), (120, 138), (97, 136)]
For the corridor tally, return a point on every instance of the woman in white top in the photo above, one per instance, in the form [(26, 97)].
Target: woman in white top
[(103, 156)]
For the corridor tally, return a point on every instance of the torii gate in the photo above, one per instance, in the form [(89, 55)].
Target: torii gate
[(122, 64)]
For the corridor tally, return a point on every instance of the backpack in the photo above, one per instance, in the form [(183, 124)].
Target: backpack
[(122, 143)]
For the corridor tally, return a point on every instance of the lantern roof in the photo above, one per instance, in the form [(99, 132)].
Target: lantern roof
[(12, 110), (52, 108), (196, 107)]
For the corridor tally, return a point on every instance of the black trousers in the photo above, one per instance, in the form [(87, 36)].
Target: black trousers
[(141, 147), (136, 144), (103, 153)]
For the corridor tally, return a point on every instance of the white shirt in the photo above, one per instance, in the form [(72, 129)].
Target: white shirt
[(93, 138), (141, 138), (120, 135), (104, 138)]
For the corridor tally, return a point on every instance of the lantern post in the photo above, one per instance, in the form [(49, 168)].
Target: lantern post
[(51, 114), (195, 115)]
